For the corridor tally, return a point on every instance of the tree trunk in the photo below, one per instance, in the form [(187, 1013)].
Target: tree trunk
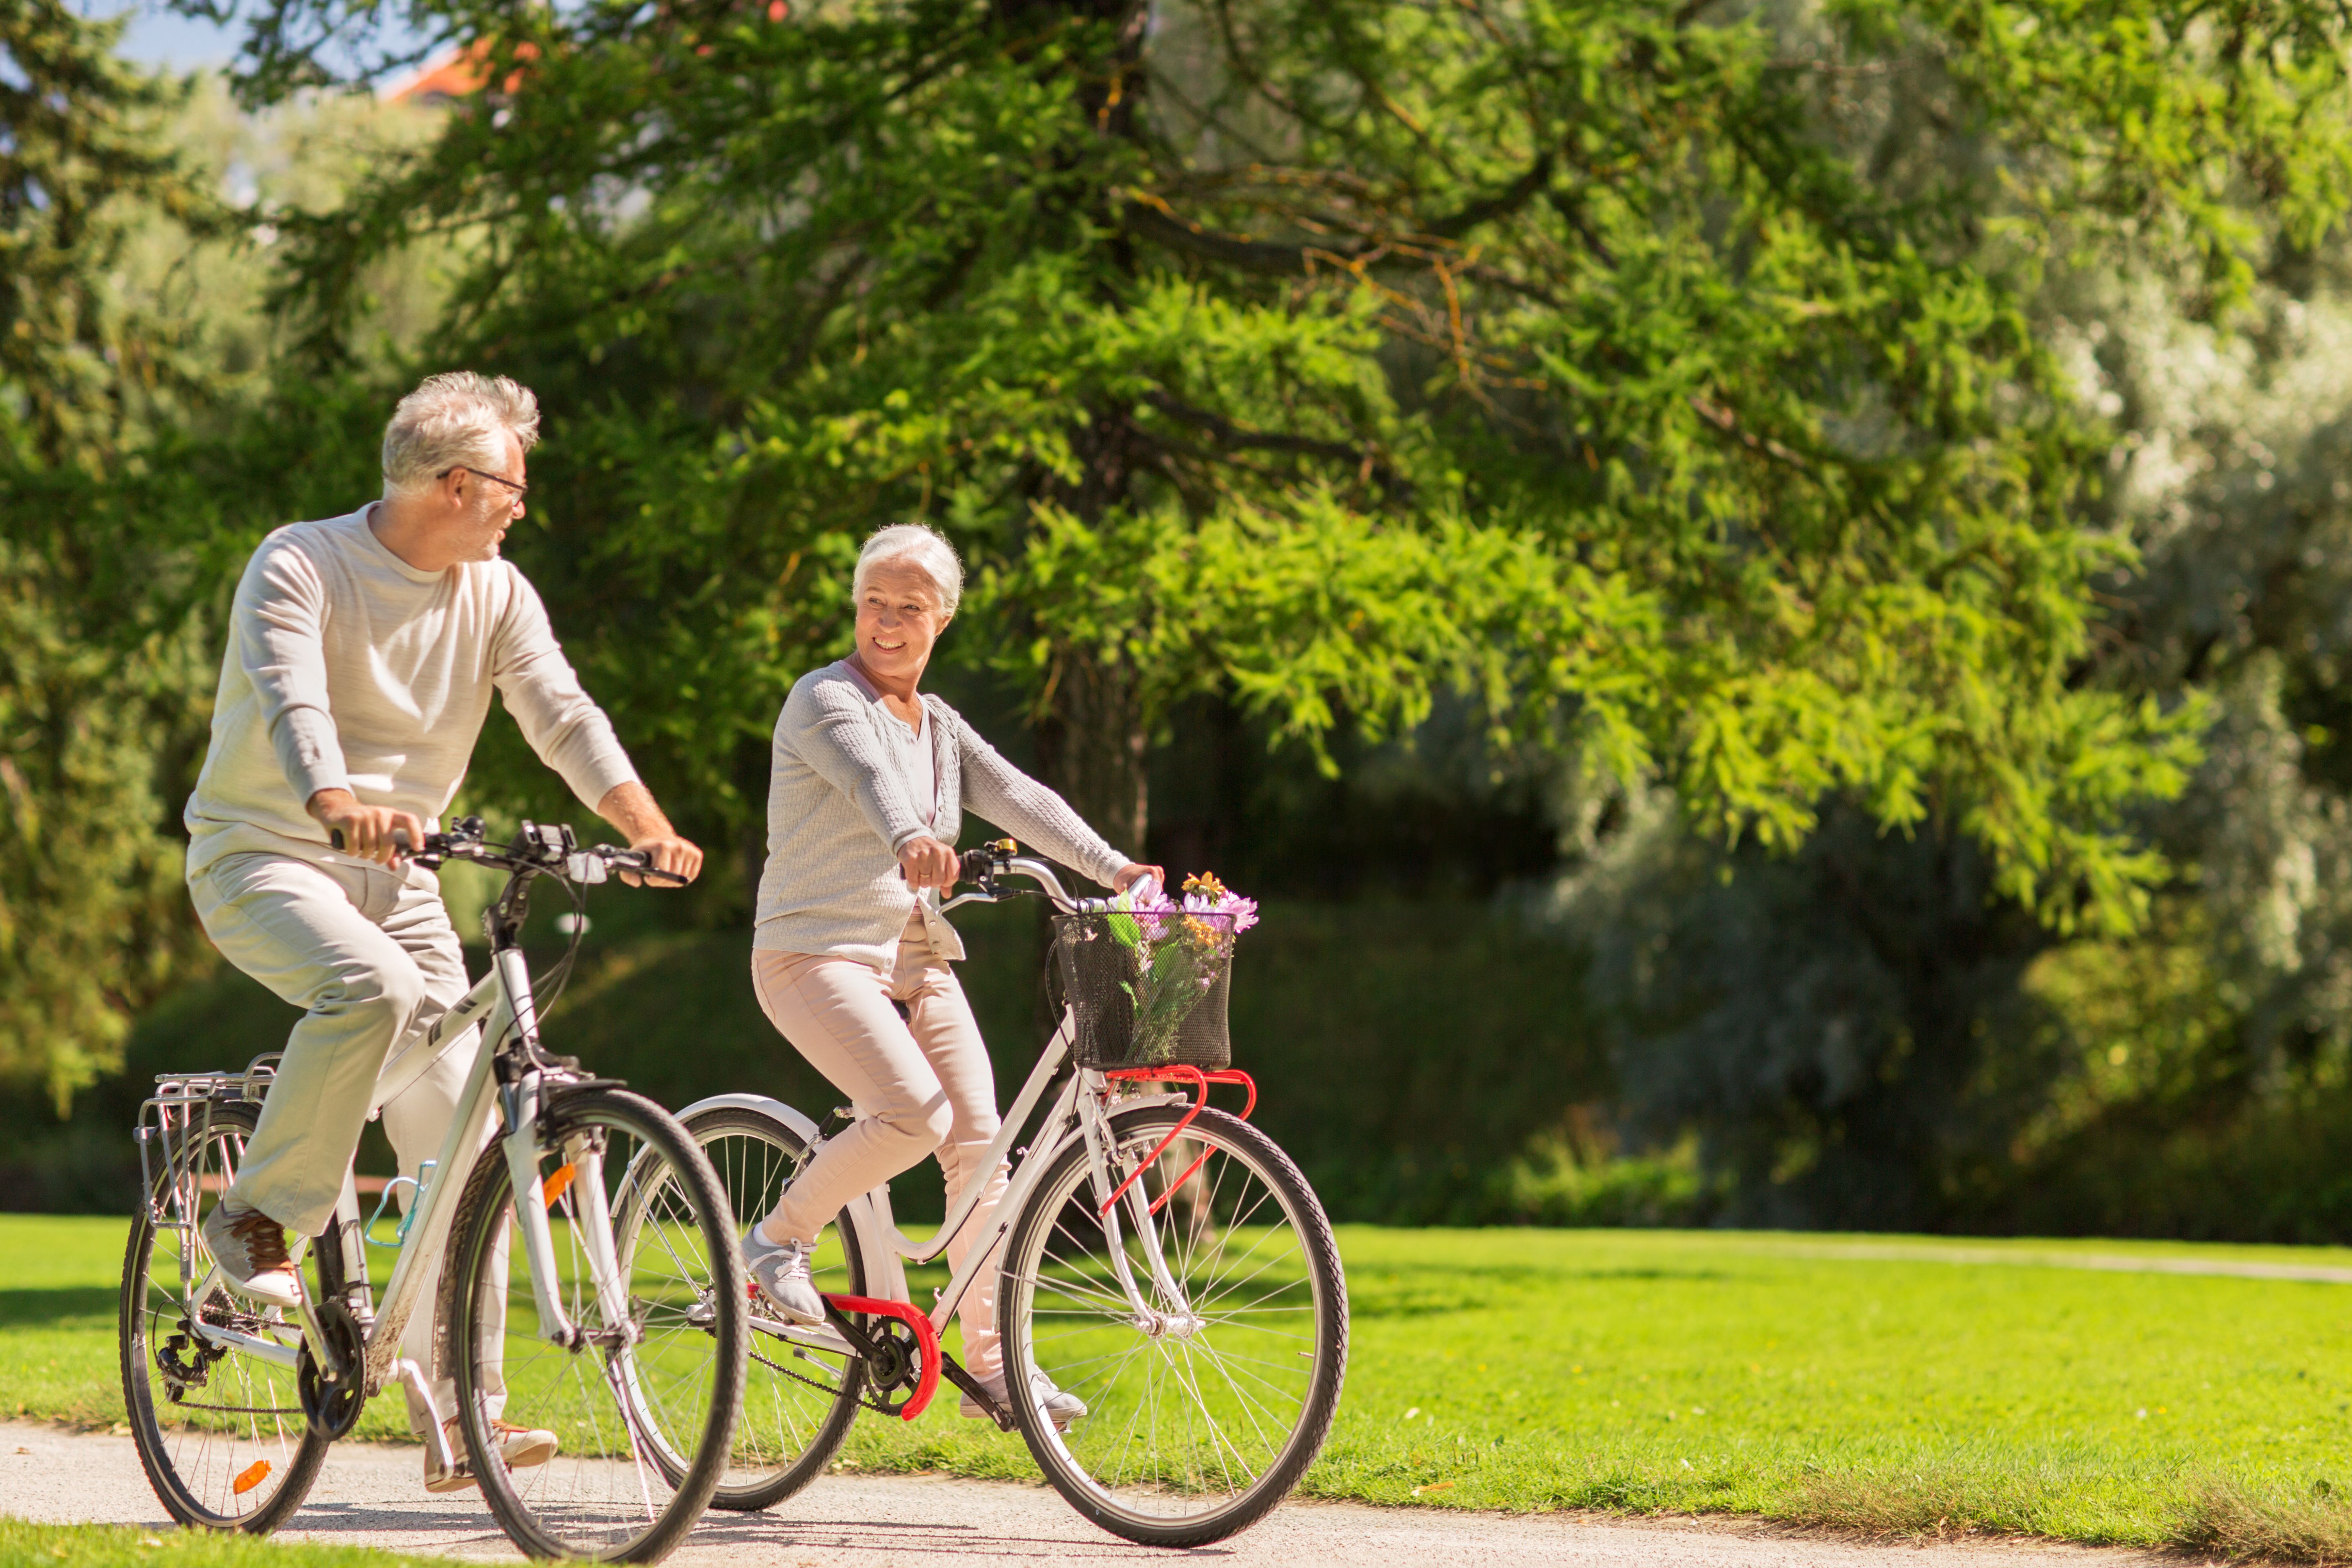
[(1092, 745), (1092, 735)]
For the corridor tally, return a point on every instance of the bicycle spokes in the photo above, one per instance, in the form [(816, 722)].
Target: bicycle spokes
[(1193, 1320), (219, 1422), (627, 1389)]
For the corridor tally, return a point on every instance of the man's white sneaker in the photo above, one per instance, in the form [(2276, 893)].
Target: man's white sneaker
[(520, 1447), (250, 1249), (1060, 1408), (781, 1270)]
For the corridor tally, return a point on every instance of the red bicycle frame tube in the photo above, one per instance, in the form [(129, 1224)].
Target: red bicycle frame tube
[(927, 1340), (1180, 1073)]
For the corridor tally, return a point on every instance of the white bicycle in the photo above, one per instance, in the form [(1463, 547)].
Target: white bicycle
[(607, 1306), (1162, 1260)]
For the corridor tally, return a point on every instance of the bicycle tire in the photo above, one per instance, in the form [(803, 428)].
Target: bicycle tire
[(1068, 1186), (477, 1273), (749, 1494), (184, 1495)]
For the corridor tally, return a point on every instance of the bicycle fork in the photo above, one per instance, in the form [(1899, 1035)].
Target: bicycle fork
[(1174, 1317)]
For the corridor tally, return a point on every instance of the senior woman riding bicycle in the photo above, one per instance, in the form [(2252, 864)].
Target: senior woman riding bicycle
[(865, 796)]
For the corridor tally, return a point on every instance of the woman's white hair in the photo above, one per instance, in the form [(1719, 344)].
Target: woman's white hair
[(924, 546), (452, 421)]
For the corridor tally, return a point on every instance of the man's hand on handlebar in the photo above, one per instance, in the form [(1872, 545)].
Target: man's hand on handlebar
[(677, 857), (926, 862), (630, 807), (367, 830)]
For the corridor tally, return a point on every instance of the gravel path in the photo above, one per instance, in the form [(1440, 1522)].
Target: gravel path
[(368, 1495)]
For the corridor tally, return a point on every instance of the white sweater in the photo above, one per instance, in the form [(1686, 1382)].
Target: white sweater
[(349, 669), (839, 810)]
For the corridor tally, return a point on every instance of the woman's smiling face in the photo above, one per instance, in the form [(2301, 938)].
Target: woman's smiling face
[(899, 620)]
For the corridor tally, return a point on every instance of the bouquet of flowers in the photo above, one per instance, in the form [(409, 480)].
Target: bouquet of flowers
[(1181, 947)]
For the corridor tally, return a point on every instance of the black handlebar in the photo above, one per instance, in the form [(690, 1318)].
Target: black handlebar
[(399, 839), (538, 846)]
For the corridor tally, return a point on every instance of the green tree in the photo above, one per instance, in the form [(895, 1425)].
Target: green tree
[(1659, 375), (95, 675), (140, 443)]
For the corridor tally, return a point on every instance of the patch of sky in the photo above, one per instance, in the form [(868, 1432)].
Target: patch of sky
[(159, 36)]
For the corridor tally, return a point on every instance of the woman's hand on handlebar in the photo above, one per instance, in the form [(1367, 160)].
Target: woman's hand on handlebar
[(1132, 873), (926, 862), (367, 830)]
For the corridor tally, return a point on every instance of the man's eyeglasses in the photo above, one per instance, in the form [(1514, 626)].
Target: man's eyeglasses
[(520, 489)]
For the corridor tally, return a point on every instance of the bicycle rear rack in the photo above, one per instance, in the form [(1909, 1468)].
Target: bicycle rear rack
[(176, 1121)]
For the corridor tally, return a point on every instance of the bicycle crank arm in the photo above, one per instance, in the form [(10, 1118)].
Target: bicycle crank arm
[(975, 1391), (406, 1371), (253, 1345)]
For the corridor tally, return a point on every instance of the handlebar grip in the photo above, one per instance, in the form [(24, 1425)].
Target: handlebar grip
[(399, 839)]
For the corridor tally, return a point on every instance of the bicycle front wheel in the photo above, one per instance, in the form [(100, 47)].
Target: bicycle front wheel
[(644, 1398), (220, 1430), (799, 1394), (1208, 1339)]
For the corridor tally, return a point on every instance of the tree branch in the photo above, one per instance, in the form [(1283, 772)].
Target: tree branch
[(1235, 437), (1150, 218)]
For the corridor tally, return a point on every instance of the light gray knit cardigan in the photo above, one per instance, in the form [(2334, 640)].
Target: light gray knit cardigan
[(838, 814)]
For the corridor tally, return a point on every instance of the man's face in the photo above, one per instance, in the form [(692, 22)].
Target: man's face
[(483, 510)]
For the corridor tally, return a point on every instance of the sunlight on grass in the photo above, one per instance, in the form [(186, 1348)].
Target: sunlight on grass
[(111, 1546), (1803, 1377)]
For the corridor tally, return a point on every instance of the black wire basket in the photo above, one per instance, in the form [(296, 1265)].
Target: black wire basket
[(1146, 991)]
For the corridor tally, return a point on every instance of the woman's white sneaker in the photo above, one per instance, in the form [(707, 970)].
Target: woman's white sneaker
[(781, 1270), (1061, 1408)]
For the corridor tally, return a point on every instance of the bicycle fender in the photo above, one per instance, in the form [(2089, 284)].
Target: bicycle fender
[(760, 1103)]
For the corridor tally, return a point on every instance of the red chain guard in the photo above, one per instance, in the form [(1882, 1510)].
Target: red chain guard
[(1199, 1079), (926, 1340)]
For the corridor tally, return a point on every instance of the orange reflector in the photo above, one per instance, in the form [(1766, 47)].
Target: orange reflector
[(557, 1184), (253, 1476)]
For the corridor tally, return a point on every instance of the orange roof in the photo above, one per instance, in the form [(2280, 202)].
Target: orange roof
[(461, 73)]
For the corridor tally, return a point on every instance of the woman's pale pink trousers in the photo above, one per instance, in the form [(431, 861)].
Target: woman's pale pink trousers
[(921, 1085)]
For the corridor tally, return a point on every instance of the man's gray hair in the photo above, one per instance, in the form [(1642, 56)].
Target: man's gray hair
[(455, 420), (922, 546)]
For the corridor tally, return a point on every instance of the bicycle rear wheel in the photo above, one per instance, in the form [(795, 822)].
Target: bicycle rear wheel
[(800, 1398), (660, 1379), (220, 1432), (1205, 1406)]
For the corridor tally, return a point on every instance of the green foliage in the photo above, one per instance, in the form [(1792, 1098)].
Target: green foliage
[(135, 431), (1842, 1029), (1663, 379), (94, 686)]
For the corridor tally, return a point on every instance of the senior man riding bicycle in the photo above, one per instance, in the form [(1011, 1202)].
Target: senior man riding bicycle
[(866, 788), (362, 652)]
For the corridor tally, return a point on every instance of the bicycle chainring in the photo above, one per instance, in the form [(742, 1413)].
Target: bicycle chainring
[(334, 1408), (894, 1367)]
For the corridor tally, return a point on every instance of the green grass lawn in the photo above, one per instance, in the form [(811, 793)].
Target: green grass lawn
[(111, 1546), (1797, 1377)]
